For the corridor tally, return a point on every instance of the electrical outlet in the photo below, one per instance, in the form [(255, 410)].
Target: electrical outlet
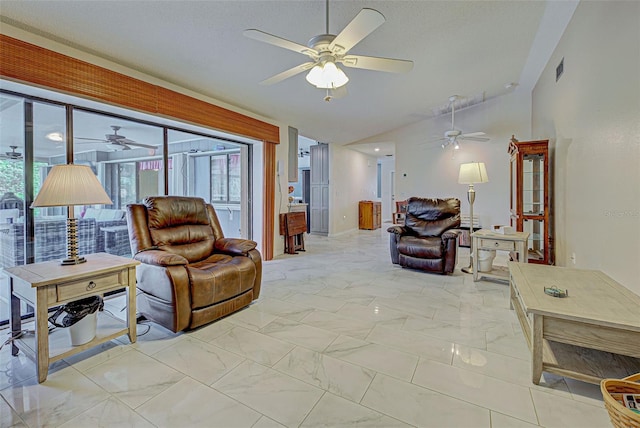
[(573, 258)]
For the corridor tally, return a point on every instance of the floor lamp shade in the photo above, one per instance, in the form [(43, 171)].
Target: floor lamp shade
[(69, 185), (472, 173)]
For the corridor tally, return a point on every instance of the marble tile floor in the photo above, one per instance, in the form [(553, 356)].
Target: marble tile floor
[(340, 337)]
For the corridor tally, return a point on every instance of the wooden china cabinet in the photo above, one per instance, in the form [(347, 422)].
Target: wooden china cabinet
[(530, 200)]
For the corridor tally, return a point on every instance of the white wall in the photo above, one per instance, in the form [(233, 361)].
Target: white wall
[(352, 177), (388, 205), (592, 116), (424, 169)]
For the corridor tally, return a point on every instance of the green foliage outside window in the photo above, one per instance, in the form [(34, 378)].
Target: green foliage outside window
[(12, 177)]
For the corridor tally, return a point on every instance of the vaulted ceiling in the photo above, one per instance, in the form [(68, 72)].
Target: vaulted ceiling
[(469, 48)]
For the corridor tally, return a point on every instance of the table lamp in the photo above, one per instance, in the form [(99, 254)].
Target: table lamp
[(472, 173), (70, 185)]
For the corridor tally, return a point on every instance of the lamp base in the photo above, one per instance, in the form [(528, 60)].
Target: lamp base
[(73, 261), (468, 269)]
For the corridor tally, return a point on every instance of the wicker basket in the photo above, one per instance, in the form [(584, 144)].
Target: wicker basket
[(621, 417)]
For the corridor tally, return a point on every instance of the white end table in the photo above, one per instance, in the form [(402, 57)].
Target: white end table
[(486, 240)]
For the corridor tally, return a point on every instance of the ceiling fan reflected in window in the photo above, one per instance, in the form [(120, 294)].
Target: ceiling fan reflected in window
[(117, 141), (326, 51), (453, 136), (12, 155)]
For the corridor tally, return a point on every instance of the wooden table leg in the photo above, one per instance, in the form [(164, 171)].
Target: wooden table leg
[(131, 307), (14, 317), (42, 334), (291, 244), (536, 349)]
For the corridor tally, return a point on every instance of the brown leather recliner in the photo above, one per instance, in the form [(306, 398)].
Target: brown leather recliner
[(190, 274), (425, 241)]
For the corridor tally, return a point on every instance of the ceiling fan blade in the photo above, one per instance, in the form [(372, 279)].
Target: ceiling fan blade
[(466, 137), (474, 134), (379, 64), (90, 139), (261, 36), (360, 27), (287, 73), (128, 142)]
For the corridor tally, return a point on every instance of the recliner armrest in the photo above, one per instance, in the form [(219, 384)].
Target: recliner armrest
[(235, 246), (450, 234), (160, 258), (398, 230)]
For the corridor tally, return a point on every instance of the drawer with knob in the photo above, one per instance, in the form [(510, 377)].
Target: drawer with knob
[(95, 285), (494, 244)]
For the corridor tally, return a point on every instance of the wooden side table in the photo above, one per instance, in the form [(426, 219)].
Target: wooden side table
[(48, 284), (293, 225), (486, 240)]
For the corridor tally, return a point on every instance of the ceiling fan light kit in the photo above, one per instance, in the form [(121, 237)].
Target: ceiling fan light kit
[(327, 51), (327, 76)]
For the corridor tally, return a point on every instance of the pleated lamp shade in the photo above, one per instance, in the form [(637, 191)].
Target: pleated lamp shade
[(473, 172), (71, 185)]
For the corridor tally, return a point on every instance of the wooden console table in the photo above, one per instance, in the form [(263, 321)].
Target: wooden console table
[(592, 334), (293, 225), (47, 284)]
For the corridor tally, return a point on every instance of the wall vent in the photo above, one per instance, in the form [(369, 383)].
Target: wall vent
[(559, 69)]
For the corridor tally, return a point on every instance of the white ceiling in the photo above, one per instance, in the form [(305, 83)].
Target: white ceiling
[(458, 47)]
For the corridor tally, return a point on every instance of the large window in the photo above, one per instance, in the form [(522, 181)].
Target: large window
[(225, 178), (132, 159), (215, 170)]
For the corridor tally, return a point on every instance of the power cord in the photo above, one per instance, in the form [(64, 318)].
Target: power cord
[(16, 337)]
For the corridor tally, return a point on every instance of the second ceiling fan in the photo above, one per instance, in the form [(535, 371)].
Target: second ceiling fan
[(326, 51), (118, 141), (452, 136)]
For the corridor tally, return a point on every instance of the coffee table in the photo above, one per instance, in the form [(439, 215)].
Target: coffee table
[(592, 334)]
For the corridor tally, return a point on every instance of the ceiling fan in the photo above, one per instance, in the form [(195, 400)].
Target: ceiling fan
[(119, 141), (304, 153), (12, 155), (326, 51), (452, 136)]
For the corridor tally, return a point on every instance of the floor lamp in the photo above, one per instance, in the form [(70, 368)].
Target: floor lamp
[(472, 173), (70, 185)]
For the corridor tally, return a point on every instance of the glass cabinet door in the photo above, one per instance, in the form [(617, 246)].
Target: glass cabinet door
[(536, 238), (533, 185)]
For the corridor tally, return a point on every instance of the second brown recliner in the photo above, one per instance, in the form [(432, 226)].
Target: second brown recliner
[(190, 274), (427, 241)]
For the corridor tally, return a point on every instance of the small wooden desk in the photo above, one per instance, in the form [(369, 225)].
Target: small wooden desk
[(293, 225), (48, 284), (486, 240), (592, 334)]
